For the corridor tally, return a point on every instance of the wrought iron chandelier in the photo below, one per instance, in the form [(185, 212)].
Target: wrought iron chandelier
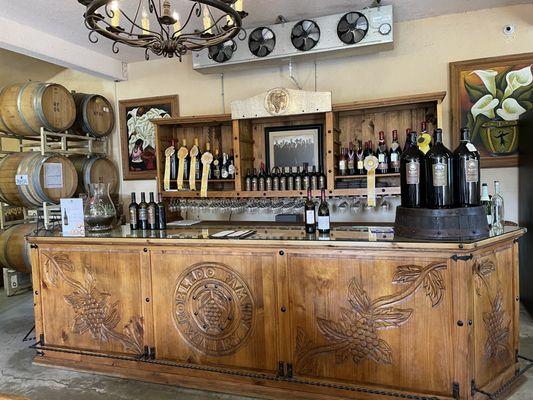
[(208, 23)]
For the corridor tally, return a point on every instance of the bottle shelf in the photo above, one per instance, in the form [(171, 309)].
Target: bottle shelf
[(390, 175)]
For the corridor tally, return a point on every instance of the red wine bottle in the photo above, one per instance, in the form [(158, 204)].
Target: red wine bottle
[(407, 139), (383, 154), (351, 159), (439, 173), (310, 215), (395, 153), (412, 175), (134, 213), (323, 220), (360, 159), (467, 173), (343, 164)]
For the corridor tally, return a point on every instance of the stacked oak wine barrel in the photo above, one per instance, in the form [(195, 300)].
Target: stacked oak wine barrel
[(25, 108)]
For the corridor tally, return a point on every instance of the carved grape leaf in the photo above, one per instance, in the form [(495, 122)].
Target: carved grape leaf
[(485, 268), (382, 353), (497, 345), (332, 331), (302, 341), (55, 266), (434, 285), (134, 331), (358, 298), (341, 356), (407, 273), (391, 316)]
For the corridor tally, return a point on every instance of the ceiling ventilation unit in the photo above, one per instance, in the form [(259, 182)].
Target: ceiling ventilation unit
[(356, 32)]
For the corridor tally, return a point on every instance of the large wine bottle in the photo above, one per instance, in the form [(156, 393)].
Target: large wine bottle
[(323, 220), (310, 213), (439, 174), (412, 175), (467, 174)]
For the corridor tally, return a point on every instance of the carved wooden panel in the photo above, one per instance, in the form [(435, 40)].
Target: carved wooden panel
[(92, 300), (494, 309), (359, 319), (216, 306)]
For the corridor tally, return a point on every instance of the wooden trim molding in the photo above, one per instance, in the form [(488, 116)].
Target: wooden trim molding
[(391, 101)]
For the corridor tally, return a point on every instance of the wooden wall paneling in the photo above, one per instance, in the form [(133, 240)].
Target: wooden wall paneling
[(284, 307), (147, 299), (246, 149), (163, 137), (330, 132), (91, 298), (356, 318), (404, 123), (216, 307), (463, 334), (516, 298), (495, 315), (237, 155), (37, 289)]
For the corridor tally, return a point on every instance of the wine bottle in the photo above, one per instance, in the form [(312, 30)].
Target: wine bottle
[(395, 153), (261, 178), (283, 179), (322, 180), (248, 181), (298, 179), (216, 164), (407, 139), (314, 179), (412, 175), (497, 209), (143, 213), (383, 154), (161, 213), (310, 217), (351, 159), (343, 165), (208, 150), (439, 173), (197, 161), (367, 152), (275, 179), (255, 178), (467, 173), (306, 181), (231, 165), (323, 220), (290, 179), (268, 180), (486, 203), (224, 173), (185, 162), (360, 159), (152, 213), (174, 163), (134, 213)]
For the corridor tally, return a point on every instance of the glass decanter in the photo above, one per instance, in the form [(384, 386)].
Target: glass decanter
[(99, 211)]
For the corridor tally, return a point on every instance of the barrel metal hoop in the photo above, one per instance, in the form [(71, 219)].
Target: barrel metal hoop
[(87, 167), (2, 197), (19, 108), (26, 198), (2, 122), (85, 119), (37, 179), (38, 107), (3, 257)]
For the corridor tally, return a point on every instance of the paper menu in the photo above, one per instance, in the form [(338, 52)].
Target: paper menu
[(72, 218)]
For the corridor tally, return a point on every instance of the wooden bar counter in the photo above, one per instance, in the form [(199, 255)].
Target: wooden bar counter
[(356, 315)]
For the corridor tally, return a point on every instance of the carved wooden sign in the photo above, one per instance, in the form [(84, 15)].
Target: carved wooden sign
[(213, 308), (281, 101)]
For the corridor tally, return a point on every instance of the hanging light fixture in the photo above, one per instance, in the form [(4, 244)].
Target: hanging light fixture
[(155, 26)]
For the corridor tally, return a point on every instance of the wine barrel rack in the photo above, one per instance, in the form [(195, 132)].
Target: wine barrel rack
[(451, 225)]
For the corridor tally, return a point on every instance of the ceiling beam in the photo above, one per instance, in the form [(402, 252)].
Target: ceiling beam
[(34, 43)]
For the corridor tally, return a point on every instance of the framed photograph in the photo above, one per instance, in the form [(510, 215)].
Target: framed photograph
[(488, 96), (292, 146), (137, 133)]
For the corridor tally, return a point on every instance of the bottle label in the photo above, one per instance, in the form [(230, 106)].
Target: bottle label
[(143, 214), (472, 171), (471, 147), (412, 173), (342, 165), (310, 217), (351, 164), (231, 169), (323, 223), (151, 216), (394, 157), (360, 164), (440, 174), (225, 174), (133, 215), (381, 158)]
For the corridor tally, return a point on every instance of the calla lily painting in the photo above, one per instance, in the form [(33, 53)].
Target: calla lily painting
[(489, 96)]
